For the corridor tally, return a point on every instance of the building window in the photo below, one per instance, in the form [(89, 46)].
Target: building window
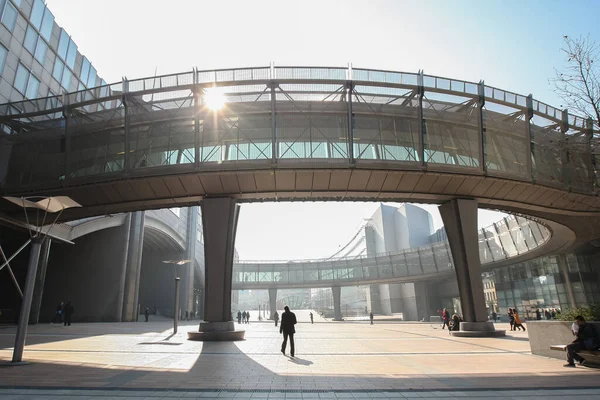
[(21, 79), (71, 54), (40, 51), (26, 83), (30, 39), (3, 54), (37, 13), (66, 79), (85, 70), (62, 74), (9, 16), (63, 44), (34, 45), (47, 25), (59, 66), (32, 87), (67, 49), (176, 210), (91, 82)]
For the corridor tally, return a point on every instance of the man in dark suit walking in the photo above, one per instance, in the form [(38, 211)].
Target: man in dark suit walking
[(288, 320)]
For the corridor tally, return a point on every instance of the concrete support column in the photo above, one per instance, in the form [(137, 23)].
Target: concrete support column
[(272, 302), (133, 264), (219, 221), (337, 306), (201, 304), (460, 221), (423, 298), (375, 299), (40, 279), (564, 269)]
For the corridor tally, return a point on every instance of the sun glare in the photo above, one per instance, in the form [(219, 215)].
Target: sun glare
[(214, 98)]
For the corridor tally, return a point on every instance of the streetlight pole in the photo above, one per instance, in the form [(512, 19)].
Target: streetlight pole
[(176, 313), (177, 280)]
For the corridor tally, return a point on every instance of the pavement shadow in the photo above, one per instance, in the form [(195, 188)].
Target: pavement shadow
[(299, 361), (519, 339)]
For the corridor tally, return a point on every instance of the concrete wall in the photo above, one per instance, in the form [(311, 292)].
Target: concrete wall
[(89, 274), (5, 149), (419, 224), (543, 334), (157, 281)]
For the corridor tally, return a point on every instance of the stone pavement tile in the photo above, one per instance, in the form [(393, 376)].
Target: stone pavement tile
[(387, 356)]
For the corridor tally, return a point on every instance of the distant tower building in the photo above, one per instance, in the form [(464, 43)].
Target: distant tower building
[(392, 229)]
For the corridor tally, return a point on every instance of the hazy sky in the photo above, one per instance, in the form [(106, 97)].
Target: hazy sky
[(513, 45)]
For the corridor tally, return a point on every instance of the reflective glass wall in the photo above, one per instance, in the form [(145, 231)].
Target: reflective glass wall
[(539, 284)]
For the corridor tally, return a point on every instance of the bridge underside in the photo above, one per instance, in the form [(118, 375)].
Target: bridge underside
[(575, 211)]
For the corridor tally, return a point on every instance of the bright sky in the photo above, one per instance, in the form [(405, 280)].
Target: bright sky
[(513, 45)]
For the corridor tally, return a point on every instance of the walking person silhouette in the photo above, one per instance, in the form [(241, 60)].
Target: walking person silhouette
[(288, 320)]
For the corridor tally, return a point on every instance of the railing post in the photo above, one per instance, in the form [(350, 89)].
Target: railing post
[(589, 125), (530, 142), (480, 105), (126, 126), (349, 88), (422, 126), (196, 118), (508, 229), (273, 123), (565, 156)]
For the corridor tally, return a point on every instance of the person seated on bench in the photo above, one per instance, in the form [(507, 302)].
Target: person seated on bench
[(585, 340)]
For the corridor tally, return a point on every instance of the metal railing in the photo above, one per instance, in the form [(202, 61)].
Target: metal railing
[(339, 74)]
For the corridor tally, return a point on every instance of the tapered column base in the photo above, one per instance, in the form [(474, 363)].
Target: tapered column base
[(217, 332)]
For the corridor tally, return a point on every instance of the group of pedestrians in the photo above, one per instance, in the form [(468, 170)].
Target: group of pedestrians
[(548, 314), (63, 313), (453, 323), (243, 317), (514, 320)]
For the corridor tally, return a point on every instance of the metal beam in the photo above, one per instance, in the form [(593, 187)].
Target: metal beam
[(480, 105), (422, 126), (530, 143), (273, 125), (349, 89), (125, 99)]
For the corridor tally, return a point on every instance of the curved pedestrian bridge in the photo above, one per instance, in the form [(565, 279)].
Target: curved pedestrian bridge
[(511, 240), (300, 133)]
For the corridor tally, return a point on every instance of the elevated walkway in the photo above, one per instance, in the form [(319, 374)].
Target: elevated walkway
[(512, 239)]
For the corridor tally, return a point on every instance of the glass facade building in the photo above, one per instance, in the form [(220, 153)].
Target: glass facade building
[(540, 284), (38, 58)]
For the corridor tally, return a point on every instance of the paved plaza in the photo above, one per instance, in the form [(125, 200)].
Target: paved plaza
[(334, 360)]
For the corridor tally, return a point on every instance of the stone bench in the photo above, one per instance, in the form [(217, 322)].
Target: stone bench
[(590, 356)]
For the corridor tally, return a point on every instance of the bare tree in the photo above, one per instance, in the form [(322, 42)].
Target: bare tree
[(578, 83)]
